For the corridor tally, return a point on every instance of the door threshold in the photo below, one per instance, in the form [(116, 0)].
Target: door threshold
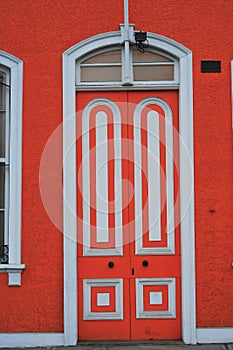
[(128, 343)]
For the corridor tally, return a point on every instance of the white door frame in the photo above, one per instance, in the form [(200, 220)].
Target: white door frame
[(184, 56)]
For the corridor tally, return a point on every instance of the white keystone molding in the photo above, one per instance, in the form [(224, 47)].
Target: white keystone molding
[(15, 67), (184, 56)]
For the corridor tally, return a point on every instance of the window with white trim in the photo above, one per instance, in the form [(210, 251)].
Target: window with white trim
[(4, 162), (11, 74), (107, 67)]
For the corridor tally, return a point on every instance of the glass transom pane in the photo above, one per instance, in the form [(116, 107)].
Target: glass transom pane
[(113, 67), (148, 57), (153, 73), (106, 57), (98, 74)]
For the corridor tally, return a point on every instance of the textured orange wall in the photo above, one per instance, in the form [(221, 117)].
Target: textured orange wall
[(39, 32)]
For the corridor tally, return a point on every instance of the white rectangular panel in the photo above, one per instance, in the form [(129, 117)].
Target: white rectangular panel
[(103, 299), (156, 298), (154, 207), (101, 177)]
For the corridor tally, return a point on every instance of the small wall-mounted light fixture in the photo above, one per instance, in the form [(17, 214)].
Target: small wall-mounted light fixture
[(141, 41)]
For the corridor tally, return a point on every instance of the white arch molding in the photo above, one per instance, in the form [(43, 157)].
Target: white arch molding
[(184, 56)]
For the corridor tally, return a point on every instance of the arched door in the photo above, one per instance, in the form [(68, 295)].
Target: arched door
[(174, 62), (129, 274)]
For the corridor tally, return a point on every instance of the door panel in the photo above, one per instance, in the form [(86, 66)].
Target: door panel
[(155, 253), (155, 315), (128, 244), (103, 259), (104, 318)]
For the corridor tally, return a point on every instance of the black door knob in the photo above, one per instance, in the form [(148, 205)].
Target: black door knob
[(111, 264), (145, 263)]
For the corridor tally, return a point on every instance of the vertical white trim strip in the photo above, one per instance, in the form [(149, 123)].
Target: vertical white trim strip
[(187, 201), (137, 180), (69, 203), (169, 179), (154, 207), (127, 36), (6, 158), (126, 13), (86, 186), (6, 210), (16, 164), (118, 183), (102, 177)]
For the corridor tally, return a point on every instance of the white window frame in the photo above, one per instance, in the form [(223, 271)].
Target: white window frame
[(5, 159), (14, 266), (83, 85), (120, 84)]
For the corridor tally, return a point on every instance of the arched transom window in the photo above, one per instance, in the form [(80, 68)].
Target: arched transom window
[(107, 68)]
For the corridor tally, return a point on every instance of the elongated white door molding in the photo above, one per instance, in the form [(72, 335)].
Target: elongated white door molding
[(102, 177), (101, 151), (154, 198), (154, 181)]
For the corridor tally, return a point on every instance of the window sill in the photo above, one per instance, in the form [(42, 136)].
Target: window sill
[(14, 273)]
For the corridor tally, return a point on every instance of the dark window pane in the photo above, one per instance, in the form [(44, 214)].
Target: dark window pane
[(2, 114), (2, 91), (2, 186), (2, 133), (1, 228)]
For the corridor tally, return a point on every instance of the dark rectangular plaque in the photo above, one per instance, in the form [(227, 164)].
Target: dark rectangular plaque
[(211, 66)]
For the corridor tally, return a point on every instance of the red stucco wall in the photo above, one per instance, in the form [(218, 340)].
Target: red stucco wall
[(38, 33)]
